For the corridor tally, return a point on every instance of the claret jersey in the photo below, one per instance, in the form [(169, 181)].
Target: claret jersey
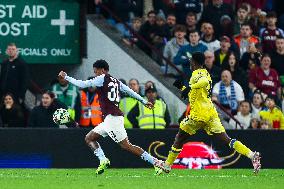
[(108, 89)]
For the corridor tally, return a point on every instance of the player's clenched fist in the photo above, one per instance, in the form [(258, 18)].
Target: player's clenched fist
[(62, 75)]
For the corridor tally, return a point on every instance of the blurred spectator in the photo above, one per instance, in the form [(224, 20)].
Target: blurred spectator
[(264, 78), (277, 59), (245, 38), (222, 54), (128, 37), (147, 32), (149, 84), (254, 123), (257, 103), (228, 92), (213, 13), (251, 59), (243, 116), (160, 36), (238, 74), (190, 23), (273, 114), (41, 116), (183, 7), (171, 22), (208, 38), (184, 53), (68, 94), (213, 70), (144, 118), (269, 34), (172, 48), (127, 103), (242, 17), (14, 74), (226, 26), (261, 20), (278, 64), (90, 115), (11, 113), (264, 124)]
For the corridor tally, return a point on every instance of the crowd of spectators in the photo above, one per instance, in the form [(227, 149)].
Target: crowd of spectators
[(243, 43)]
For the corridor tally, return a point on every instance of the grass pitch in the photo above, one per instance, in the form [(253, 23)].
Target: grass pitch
[(140, 179)]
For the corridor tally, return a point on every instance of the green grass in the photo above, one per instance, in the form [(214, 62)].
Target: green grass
[(139, 178)]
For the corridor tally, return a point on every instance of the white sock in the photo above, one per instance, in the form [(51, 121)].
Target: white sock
[(147, 157), (100, 154)]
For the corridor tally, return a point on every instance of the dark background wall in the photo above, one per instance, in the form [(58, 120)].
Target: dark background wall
[(65, 148)]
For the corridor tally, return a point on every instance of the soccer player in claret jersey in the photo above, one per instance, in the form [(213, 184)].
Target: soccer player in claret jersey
[(203, 115), (108, 89)]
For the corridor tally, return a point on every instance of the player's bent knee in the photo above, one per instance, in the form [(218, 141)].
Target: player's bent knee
[(90, 137)]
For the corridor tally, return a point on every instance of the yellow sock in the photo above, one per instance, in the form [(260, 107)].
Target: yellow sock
[(173, 154), (241, 148)]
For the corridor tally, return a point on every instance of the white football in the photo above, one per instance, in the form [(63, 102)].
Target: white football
[(61, 116)]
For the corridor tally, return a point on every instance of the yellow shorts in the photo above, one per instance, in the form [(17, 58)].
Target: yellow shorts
[(212, 126)]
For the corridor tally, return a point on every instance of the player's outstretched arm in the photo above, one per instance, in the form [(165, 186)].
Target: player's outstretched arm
[(133, 94), (96, 82)]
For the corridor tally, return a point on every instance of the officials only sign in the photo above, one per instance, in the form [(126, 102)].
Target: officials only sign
[(44, 31)]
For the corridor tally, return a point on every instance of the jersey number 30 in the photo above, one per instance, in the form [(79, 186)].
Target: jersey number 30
[(113, 95)]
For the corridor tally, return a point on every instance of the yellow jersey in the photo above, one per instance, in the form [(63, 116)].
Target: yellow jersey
[(201, 106), (275, 117)]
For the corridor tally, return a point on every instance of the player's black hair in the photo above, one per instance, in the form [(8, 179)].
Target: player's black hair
[(101, 64), (198, 58)]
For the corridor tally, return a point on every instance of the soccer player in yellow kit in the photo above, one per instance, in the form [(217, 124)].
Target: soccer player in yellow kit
[(203, 115)]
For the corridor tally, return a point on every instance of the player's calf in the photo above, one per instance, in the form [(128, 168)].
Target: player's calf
[(256, 162), (242, 149)]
